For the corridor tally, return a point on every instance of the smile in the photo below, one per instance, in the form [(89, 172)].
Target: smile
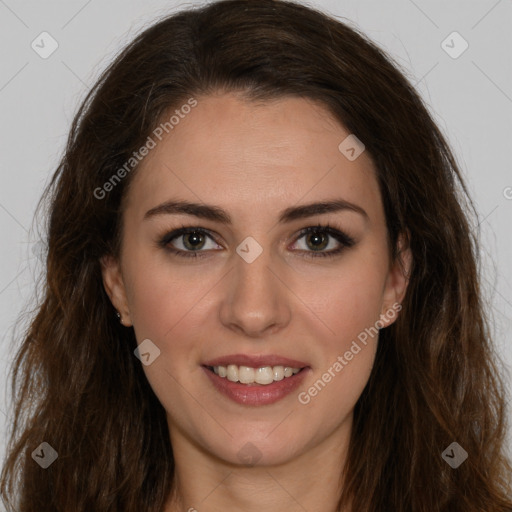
[(251, 392), (263, 375)]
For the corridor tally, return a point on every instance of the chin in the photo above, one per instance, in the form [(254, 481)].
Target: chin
[(262, 448)]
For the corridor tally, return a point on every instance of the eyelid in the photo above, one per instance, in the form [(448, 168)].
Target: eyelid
[(184, 230), (344, 240), (338, 234)]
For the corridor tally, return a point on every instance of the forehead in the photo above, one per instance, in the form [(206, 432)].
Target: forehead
[(252, 157)]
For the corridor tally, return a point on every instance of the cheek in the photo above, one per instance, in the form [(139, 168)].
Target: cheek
[(160, 291), (170, 305), (164, 304), (349, 299), (348, 302), (346, 355)]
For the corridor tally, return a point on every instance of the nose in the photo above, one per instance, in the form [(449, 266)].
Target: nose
[(256, 298)]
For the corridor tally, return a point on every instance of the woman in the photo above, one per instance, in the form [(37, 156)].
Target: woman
[(262, 287)]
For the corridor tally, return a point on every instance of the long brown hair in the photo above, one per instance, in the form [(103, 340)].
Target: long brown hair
[(435, 381)]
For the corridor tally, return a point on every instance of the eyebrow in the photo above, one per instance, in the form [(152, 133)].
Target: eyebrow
[(217, 214)]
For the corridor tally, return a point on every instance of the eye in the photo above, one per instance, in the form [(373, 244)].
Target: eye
[(317, 238), (191, 240)]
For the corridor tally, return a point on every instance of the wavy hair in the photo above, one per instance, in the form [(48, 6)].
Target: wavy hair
[(75, 381)]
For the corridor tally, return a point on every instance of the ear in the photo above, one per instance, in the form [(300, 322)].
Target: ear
[(115, 288), (396, 282)]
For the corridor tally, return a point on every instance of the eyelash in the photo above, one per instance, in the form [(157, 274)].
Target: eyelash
[(344, 239)]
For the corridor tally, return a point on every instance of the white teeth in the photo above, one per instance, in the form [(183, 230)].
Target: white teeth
[(278, 373), (245, 374), (263, 375), (232, 373)]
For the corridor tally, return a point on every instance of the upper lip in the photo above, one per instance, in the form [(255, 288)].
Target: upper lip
[(255, 361)]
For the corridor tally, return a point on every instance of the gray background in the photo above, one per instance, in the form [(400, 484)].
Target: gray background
[(470, 97)]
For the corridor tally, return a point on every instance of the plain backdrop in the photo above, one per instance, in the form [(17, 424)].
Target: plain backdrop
[(468, 92)]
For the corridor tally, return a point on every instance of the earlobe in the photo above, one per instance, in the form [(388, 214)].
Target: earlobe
[(115, 288)]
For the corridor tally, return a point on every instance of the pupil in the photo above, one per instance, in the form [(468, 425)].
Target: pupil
[(318, 239), (196, 239)]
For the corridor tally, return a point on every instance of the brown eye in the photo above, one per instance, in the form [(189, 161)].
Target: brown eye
[(318, 238), (317, 241), (194, 240), (189, 242)]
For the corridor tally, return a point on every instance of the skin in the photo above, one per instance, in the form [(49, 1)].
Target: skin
[(255, 160)]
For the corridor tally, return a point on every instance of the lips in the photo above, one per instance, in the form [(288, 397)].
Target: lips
[(255, 361), (255, 394)]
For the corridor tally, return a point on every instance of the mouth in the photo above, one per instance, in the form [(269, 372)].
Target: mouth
[(255, 381)]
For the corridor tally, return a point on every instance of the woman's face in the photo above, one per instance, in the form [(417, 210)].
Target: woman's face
[(257, 294)]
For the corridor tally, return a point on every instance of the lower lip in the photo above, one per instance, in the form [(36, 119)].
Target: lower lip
[(248, 394)]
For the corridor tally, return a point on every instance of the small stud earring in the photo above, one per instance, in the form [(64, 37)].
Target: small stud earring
[(119, 316)]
